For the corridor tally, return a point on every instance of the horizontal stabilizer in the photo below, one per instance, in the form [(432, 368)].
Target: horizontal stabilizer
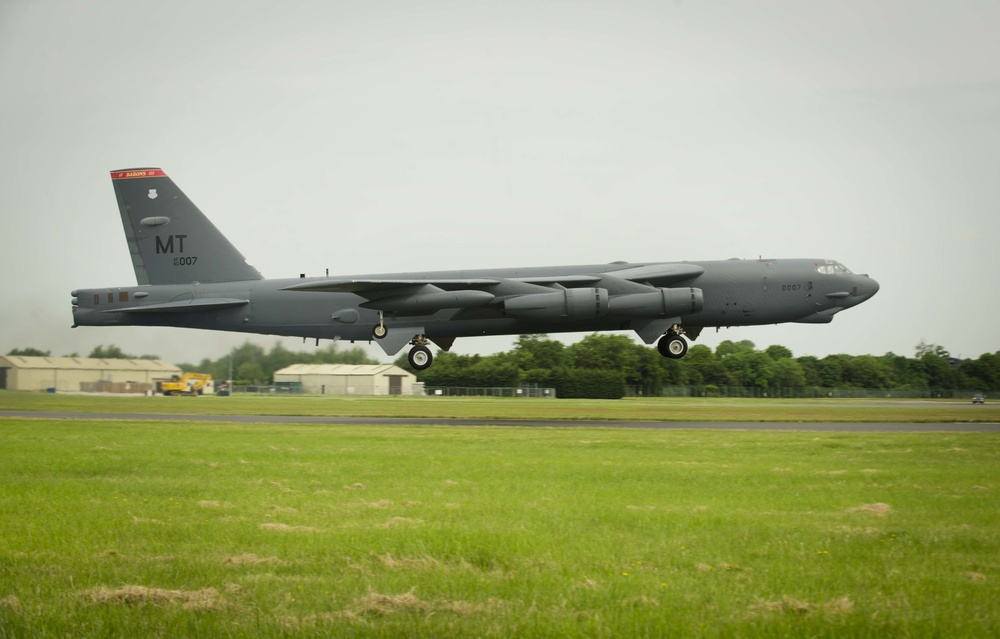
[(184, 306)]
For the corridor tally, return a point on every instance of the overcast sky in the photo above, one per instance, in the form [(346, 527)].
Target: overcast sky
[(369, 137)]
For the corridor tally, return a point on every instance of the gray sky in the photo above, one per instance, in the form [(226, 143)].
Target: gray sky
[(370, 137)]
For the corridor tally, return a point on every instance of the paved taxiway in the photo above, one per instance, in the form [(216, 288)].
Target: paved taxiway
[(859, 427)]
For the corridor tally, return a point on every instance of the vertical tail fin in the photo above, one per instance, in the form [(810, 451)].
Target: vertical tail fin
[(171, 241)]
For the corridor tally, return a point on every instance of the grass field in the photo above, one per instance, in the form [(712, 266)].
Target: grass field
[(127, 529), (663, 409)]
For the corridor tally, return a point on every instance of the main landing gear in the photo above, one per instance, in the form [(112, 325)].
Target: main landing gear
[(673, 344), (420, 357)]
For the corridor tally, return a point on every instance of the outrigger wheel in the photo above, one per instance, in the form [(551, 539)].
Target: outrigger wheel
[(380, 330), (420, 357), (672, 345)]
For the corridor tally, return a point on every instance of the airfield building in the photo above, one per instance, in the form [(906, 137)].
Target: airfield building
[(347, 379), (83, 374)]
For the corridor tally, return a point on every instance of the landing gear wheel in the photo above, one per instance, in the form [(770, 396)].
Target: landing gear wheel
[(380, 331), (672, 345), (420, 358)]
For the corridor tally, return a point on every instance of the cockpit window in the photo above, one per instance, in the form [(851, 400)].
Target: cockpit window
[(833, 268)]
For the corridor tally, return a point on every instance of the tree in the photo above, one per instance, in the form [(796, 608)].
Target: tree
[(776, 352), (904, 372), (277, 358), (831, 370), (727, 348), (29, 352), (940, 374), (655, 370), (537, 351), (788, 373), (332, 354), (608, 352), (749, 368), (701, 366), (810, 368), (866, 371), (251, 372), (923, 348), (110, 352)]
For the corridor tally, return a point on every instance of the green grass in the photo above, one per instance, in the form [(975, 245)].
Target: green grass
[(666, 409), (313, 530)]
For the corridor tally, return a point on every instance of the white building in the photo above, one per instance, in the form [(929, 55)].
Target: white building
[(349, 379), (76, 374)]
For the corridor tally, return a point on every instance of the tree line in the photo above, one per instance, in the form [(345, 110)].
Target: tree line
[(538, 359), (603, 363)]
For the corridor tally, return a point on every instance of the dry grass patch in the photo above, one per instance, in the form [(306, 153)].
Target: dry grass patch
[(311, 621), (287, 528), (379, 605), (422, 563), (401, 521), (211, 503), (877, 508), (205, 599), (250, 559), (11, 603), (789, 605)]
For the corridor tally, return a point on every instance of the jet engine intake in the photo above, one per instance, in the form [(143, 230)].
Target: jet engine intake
[(571, 304), (664, 302)]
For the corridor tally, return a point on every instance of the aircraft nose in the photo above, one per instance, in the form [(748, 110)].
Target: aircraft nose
[(867, 287)]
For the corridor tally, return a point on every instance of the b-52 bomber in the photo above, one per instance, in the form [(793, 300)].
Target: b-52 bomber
[(189, 275)]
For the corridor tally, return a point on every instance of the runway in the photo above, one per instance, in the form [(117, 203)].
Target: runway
[(836, 427)]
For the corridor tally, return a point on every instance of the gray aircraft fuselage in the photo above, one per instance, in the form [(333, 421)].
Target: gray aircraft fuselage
[(653, 298)]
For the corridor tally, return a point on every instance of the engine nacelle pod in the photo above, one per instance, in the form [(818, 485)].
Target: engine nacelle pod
[(664, 302), (569, 304)]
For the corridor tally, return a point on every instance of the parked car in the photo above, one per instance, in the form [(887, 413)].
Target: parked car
[(979, 398)]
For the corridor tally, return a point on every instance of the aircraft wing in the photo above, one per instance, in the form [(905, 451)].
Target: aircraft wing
[(654, 274), (427, 296), (659, 275), (413, 297), (361, 287)]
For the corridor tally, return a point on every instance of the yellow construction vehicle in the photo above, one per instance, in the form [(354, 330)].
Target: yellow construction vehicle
[(187, 384)]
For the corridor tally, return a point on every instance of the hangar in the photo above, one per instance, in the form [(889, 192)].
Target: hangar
[(348, 379), (83, 374)]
